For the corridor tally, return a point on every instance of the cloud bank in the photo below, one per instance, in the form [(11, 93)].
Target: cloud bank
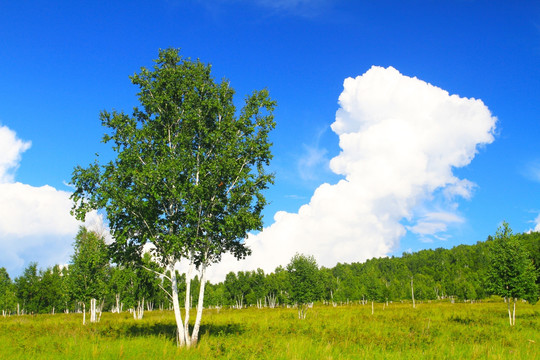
[(400, 140), (35, 222)]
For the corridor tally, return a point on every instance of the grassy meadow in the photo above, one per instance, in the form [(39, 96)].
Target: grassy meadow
[(437, 330)]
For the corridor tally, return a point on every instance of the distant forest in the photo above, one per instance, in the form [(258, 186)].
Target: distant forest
[(457, 274)]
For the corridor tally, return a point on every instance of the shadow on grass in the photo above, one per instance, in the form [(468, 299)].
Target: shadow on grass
[(168, 330)]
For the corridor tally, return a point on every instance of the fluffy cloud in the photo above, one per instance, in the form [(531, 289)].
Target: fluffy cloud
[(400, 139), (31, 211), (11, 149), (537, 224), (35, 223)]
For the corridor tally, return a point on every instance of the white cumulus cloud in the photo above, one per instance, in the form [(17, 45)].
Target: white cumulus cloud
[(11, 149), (400, 140), (35, 222), (537, 224)]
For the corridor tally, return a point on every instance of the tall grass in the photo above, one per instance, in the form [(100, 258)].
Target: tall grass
[(438, 330)]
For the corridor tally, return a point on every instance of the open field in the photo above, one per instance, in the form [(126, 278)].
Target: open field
[(438, 330)]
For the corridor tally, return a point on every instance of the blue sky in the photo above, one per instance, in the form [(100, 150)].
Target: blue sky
[(63, 62)]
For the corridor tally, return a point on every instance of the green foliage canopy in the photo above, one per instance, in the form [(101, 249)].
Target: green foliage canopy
[(511, 272), (7, 291), (305, 280), (89, 268), (189, 171)]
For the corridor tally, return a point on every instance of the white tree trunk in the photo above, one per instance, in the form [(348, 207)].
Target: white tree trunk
[(514, 313), (93, 311), (240, 301), (187, 303), (271, 298), (99, 310), (138, 312), (509, 312), (181, 337), (200, 306), (372, 309), (302, 311), (117, 308), (84, 314)]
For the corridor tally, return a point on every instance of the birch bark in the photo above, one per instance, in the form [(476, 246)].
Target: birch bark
[(181, 337), (509, 312), (187, 303), (514, 313), (200, 306)]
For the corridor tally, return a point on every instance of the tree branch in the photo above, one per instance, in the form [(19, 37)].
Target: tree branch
[(156, 272)]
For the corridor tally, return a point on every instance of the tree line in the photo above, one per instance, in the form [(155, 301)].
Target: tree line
[(461, 273)]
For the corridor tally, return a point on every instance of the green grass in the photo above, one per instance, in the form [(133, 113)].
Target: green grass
[(437, 330)]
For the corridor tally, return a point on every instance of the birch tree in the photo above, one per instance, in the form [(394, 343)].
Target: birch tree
[(305, 281), (511, 273), (52, 290), (7, 293), (188, 174), (27, 289), (88, 272)]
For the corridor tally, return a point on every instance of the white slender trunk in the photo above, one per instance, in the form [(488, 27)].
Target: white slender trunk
[(84, 314), (271, 300), (140, 310), (181, 338), (117, 309), (509, 312), (240, 301), (100, 310), (514, 313), (187, 303), (372, 309), (93, 317), (200, 306)]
